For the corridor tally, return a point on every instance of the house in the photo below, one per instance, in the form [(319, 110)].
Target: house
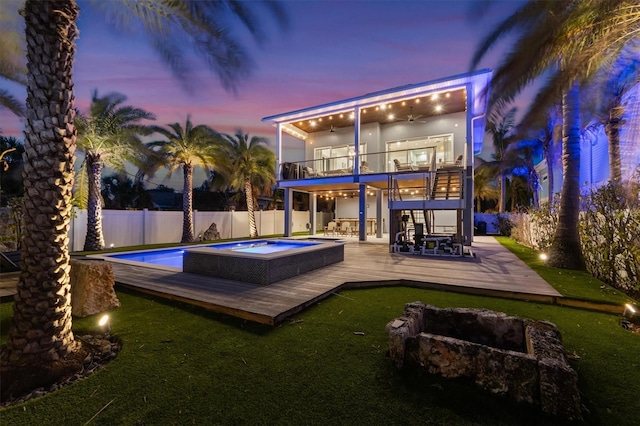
[(410, 147), (594, 151)]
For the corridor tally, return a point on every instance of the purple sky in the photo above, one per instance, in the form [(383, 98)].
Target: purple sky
[(333, 50)]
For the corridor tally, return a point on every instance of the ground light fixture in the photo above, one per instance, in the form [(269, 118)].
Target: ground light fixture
[(104, 324), (543, 256), (629, 310)]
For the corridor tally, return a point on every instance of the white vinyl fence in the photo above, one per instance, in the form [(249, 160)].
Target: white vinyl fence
[(134, 227)]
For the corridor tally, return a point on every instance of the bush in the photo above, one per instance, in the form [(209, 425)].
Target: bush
[(610, 234), (504, 224), (609, 229)]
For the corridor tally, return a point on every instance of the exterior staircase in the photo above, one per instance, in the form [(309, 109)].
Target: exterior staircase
[(447, 184)]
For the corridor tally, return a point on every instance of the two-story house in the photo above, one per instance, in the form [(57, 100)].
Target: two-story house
[(410, 147)]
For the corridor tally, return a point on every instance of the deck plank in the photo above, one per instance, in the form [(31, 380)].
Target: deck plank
[(494, 269)]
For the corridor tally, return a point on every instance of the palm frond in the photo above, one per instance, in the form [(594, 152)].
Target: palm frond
[(81, 187)]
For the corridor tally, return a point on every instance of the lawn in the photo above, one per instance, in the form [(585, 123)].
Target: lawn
[(184, 365)]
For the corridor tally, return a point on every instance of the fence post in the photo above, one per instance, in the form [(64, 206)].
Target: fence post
[(144, 226)]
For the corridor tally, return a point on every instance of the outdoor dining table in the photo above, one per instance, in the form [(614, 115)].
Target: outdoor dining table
[(354, 223)]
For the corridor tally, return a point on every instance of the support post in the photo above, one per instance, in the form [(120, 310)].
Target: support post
[(313, 212), (288, 211), (362, 213), (379, 218)]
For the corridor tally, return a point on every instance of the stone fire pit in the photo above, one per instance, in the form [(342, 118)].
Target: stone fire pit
[(520, 358)]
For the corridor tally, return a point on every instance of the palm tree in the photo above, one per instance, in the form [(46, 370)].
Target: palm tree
[(484, 187), (501, 126), (12, 50), (186, 148), (246, 164), (108, 135), (40, 336), (607, 91), (568, 41)]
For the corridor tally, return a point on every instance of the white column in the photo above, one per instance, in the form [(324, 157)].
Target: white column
[(278, 151), (467, 216), (356, 141)]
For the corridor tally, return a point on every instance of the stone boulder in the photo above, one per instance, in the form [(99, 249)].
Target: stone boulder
[(92, 289), (211, 233)]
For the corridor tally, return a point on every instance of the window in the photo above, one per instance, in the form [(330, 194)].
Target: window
[(420, 152), (330, 158)]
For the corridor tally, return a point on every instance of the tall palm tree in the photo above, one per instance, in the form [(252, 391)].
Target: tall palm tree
[(568, 42), (108, 136), (41, 334), (186, 148), (247, 165)]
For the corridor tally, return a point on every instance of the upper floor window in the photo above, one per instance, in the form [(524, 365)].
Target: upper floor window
[(420, 152)]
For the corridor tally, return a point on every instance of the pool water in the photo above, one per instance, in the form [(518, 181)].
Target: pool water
[(174, 257)]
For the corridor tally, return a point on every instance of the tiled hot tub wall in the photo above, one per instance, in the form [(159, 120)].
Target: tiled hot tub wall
[(523, 359), (261, 268)]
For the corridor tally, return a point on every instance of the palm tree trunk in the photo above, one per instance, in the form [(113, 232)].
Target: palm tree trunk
[(187, 204), (94, 240), (612, 129), (549, 157), (251, 210), (565, 249), (40, 331), (503, 194)]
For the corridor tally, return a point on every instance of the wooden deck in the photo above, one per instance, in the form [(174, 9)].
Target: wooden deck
[(495, 271)]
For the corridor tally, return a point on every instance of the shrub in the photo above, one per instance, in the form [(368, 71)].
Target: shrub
[(504, 224), (610, 234), (609, 229)]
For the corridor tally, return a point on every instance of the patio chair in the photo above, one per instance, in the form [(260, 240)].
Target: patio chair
[(402, 167), (330, 229), (345, 228)]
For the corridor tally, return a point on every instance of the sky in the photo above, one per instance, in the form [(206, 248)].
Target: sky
[(332, 50)]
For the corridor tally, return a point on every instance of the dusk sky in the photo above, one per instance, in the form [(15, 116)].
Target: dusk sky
[(333, 50)]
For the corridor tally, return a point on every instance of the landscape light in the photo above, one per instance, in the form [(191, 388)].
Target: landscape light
[(628, 307), (543, 256), (111, 245), (104, 324)]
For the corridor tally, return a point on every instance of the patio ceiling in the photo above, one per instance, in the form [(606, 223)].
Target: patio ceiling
[(420, 107)]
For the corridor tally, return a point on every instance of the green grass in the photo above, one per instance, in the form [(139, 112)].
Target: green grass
[(183, 365), (575, 284)]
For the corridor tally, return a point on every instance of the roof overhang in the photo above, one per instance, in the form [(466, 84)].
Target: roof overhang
[(476, 83)]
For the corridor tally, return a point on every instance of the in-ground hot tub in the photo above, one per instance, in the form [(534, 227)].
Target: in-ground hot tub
[(265, 262)]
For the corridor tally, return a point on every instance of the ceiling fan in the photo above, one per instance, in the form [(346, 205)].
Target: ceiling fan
[(414, 118), (334, 129)]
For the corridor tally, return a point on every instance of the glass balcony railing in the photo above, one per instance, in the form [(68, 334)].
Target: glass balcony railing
[(397, 161)]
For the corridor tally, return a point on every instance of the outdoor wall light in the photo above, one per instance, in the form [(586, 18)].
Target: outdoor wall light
[(629, 310), (104, 324), (543, 256)]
